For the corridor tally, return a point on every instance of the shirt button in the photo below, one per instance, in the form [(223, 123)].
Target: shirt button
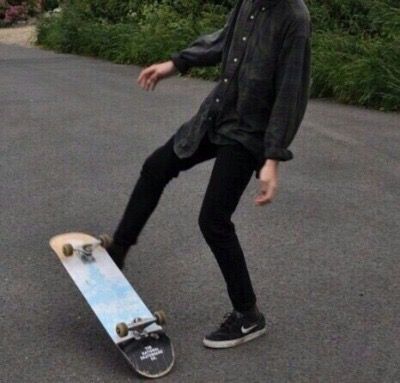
[(244, 38), (217, 100), (225, 79), (235, 59), (252, 17), (263, 9)]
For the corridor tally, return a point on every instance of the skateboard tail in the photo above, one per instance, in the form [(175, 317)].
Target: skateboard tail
[(150, 357)]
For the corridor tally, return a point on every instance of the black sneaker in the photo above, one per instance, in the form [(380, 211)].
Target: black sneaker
[(118, 254), (236, 328)]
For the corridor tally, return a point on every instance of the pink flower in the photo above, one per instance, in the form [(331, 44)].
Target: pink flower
[(15, 13)]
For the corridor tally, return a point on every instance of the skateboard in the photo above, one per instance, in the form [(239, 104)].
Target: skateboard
[(137, 333)]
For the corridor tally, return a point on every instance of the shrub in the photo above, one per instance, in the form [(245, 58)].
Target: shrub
[(10, 14), (12, 11), (355, 42), (357, 71)]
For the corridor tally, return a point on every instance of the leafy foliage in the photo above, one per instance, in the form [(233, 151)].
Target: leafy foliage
[(356, 48)]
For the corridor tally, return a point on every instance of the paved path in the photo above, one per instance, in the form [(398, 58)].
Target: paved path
[(324, 256), (24, 35)]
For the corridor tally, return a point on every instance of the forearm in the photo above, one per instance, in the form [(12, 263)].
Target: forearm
[(204, 51), (293, 78)]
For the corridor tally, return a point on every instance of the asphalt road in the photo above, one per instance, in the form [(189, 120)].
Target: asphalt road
[(324, 256)]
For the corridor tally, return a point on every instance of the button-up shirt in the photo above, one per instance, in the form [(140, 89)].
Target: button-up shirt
[(262, 94)]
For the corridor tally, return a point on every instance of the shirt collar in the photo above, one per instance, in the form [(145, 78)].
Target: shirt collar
[(265, 3)]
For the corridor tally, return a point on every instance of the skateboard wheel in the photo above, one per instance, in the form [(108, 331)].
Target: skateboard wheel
[(68, 250), (122, 329), (160, 316), (105, 240)]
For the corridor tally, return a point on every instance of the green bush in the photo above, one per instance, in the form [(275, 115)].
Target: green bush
[(114, 11), (364, 72), (357, 58), (356, 49), (158, 31)]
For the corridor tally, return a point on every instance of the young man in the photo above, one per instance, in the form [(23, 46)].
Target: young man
[(246, 123)]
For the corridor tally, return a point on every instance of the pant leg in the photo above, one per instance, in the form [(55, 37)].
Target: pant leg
[(231, 174), (158, 169)]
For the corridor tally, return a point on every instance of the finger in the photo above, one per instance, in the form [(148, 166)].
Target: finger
[(147, 79), (144, 76), (149, 82), (266, 195), (155, 81), (141, 75), (261, 199), (148, 71), (142, 80), (145, 83), (270, 194)]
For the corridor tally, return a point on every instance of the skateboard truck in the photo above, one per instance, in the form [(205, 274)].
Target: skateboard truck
[(86, 250), (138, 325)]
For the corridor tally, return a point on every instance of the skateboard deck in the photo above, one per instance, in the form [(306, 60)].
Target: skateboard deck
[(136, 332)]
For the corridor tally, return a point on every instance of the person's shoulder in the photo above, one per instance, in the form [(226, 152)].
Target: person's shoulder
[(297, 10), (298, 16)]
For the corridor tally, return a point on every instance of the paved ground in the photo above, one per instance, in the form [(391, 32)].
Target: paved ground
[(20, 35), (324, 256)]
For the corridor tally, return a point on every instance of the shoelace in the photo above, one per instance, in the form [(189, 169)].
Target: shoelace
[(229, 320)]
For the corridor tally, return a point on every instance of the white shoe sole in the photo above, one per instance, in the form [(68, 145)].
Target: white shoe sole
[(234, 342)]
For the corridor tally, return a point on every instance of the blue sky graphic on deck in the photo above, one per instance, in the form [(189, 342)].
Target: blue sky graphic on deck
[(113, 300), (110, 295)]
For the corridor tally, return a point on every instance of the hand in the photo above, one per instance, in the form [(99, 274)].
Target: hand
[(268, 183), (150, 76)]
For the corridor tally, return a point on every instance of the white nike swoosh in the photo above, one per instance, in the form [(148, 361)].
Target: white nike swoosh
[(247, 330)]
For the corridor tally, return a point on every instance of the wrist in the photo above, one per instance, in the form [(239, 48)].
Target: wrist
[(271, 163), (173, 66), (180, 64)]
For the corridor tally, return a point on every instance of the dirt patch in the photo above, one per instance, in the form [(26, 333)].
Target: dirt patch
[(20, 35)]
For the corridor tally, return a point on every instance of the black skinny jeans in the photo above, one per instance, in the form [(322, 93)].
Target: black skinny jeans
[(230, 175)]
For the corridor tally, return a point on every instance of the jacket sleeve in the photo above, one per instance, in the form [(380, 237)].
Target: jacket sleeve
[(291, 94), (206, 50)]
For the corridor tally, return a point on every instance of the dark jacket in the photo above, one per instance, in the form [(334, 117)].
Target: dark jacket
[(265, 52)]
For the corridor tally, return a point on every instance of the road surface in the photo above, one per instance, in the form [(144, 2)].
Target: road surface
[(324, 256)]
